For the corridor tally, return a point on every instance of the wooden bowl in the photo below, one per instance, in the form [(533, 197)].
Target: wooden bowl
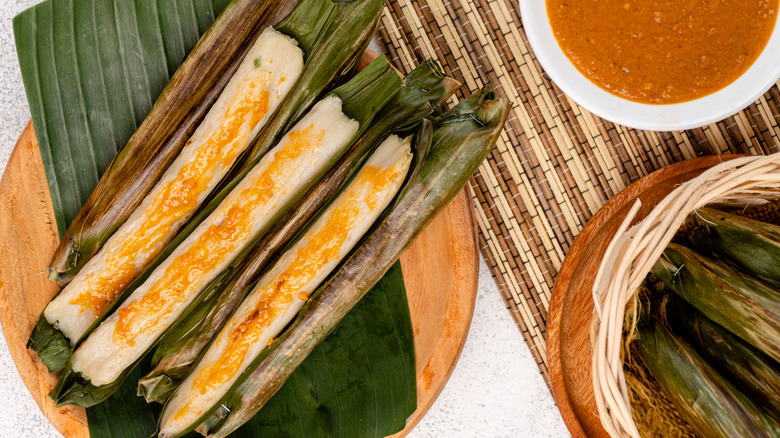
[(571, 307)]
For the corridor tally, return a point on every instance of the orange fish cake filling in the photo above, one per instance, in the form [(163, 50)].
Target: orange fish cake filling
[(323, 247), (179, 197), (185, 273)]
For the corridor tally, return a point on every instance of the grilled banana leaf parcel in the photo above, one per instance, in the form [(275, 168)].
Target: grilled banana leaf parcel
[(115, 346), (461, 140), (425, 88), (140, 163), (752, 245), (283, 290), (739, 303), (263, 79), (710, 404), (338, 46), (331, 37), (751, 371)]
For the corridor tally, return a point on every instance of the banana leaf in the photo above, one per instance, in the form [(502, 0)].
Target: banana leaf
[(92, 69), (423, 87), (710, 404), (336, 387), (461, 140), (123, 415), (52, 346), (752, 372), (372, 88), (739, 303), (752, 245)]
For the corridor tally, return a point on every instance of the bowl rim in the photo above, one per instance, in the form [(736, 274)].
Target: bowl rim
[(749, 87)]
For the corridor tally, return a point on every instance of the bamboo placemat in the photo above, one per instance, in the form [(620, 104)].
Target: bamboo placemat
[(556, 163)]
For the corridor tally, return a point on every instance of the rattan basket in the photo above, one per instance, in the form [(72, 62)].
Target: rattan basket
[(632, 253)]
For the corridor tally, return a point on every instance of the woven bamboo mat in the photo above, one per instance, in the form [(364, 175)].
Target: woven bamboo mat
[(556, 164)]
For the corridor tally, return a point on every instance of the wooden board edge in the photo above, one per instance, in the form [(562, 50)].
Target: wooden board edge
[(460, 308)]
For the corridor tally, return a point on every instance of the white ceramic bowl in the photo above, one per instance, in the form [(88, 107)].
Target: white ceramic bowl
[(761, 76)]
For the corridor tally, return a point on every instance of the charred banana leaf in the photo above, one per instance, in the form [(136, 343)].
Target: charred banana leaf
[(424, 88), (751, 371), (52, 346), (752, 245), (711, 405), (461, 140), (739, 303)]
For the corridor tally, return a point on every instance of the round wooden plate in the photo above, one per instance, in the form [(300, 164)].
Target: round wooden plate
[(440, 272), (571, 307)]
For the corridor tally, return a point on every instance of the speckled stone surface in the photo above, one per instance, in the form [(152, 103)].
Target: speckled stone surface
[(495, 390)]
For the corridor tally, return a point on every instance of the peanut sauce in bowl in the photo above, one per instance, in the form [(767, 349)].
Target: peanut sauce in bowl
[(662, 51), (657, 64)]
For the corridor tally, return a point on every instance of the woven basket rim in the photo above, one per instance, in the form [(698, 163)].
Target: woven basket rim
[(633, 251)]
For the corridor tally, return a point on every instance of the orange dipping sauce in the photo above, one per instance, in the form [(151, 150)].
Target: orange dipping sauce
[(662, 51)]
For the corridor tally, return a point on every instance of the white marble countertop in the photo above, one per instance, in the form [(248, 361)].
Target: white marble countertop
[(495, 390)]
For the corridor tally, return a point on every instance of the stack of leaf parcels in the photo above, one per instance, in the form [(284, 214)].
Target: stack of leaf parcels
[(715, 347), (289, 201)]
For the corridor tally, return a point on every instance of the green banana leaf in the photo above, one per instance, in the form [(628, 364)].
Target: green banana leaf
[(122, 415), (141, 43)]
